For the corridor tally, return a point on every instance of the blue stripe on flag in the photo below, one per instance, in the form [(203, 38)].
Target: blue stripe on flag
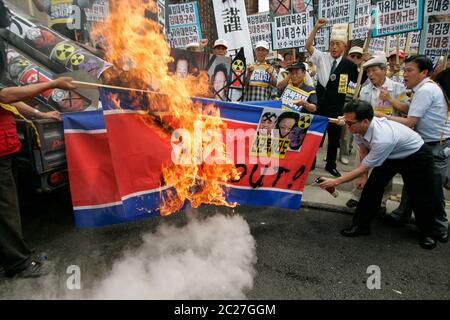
[(86, 120), (272, 198), (319, 124), (131, 209)]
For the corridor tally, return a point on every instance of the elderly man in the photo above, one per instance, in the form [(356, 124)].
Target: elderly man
[(334, 72), (428, 114), (261, 76), (295, 94), (385, 96), (220, 48), (395, 71), (387, 148)]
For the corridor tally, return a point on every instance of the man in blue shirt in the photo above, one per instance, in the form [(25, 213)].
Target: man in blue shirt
[(388, 148)]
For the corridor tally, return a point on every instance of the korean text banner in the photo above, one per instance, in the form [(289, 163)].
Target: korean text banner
[(115, 157)]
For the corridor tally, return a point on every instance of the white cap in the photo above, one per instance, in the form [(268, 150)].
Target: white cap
[(192, 45), (220, 42), (262, 44), (356, 49), (375, 61), (339, 32)]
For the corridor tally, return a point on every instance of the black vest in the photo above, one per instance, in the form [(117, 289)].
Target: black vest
[(330, 101)]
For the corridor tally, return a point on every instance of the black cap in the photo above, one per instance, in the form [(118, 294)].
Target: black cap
[(297, 65)]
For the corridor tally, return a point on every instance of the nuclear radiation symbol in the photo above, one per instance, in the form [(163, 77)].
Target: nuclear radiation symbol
[(64, 51), (77, 59), (304, 122), (23, 63), (238, 65)]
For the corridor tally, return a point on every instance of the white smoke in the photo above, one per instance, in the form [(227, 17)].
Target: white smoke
[(209, 258)]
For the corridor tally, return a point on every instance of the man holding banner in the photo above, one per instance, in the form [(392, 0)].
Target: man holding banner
[(334, 72)]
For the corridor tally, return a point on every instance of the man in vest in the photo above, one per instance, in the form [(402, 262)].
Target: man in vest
[(334, 72)]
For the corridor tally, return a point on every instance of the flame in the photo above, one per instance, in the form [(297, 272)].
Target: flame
[(140, 54)]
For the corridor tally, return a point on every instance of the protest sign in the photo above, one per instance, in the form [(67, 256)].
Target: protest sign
[(337, 11), (434, 39), (259, 28), (393, 17), (360, 27), (232, 26), (291, 31), (184, 24), (322, 39)]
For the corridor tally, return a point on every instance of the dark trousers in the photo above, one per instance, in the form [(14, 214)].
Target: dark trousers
[(14, 253), (417, 173), (334, 134)]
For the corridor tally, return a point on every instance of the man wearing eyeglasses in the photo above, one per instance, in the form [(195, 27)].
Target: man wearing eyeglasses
[(387, 147)]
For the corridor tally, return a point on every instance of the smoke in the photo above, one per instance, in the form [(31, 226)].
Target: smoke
[(208, 258)]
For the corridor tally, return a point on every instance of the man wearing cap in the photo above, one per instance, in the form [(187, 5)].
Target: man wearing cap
[(395, 71), (385, 96), (428, 114), (220, 48), (334, 72), (261, 76), (295, 94)]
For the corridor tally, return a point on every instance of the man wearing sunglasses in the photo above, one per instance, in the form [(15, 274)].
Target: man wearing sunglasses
[(387, 147)]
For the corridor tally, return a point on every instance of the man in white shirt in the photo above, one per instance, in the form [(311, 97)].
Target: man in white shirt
[(387, 148), (428, 114)]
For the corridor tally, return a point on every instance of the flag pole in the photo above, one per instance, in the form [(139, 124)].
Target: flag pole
[(98, 85)]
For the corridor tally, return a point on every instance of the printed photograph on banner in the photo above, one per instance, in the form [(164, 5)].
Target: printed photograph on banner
[(299, 6), (42, 39), (260, 28), (279, 7), (184, 63), (291, 31), (337, 11), (278, 132), (393, 17), (219, 76)]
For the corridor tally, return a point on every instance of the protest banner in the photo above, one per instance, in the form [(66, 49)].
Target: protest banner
[(322, 39), (360, 26), (377, 45), (337, 11), (56, 47), (115, 177), (414, 37), (184, 24), (394, 17), (232, 26), (162, 15), (434, 39), (259, 28), (291, 31)]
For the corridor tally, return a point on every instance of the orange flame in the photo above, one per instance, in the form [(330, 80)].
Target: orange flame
[(140, 54)]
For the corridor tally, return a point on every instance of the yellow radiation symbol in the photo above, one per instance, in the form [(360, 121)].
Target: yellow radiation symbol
[(238, 65), (64, 51), (77, 59), (23, 63), (304, 122)]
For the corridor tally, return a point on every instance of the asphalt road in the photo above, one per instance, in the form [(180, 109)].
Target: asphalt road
[(300, 255)]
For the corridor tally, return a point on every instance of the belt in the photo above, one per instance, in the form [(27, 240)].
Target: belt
[(434, 143)]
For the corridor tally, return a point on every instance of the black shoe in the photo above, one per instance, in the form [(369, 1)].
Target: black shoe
[(34, 269), (333, 172), (355, 231), (427, 243), (352, 203), (390, 221), (443, 238), (381, 214)]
